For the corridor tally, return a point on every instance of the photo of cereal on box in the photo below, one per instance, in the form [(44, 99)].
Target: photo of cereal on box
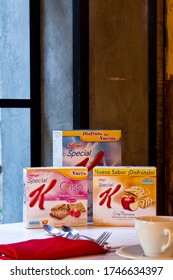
[(55, 196), (87, 148), (122, 193)]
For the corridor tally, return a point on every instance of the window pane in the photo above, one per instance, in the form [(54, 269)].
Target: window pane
[(14, 49), (15, 155)]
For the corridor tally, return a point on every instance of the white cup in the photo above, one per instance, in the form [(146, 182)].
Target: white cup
[(155, 235)]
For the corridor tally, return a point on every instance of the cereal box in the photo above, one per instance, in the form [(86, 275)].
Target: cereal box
[(122, 193), (88, 148), (57, 196)]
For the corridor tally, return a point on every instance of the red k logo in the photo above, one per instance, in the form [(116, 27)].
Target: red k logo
[(39, 193), (107, 195)]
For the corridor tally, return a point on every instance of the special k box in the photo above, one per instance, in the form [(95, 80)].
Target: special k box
[(57, 196), (88, 148), (120, 194)]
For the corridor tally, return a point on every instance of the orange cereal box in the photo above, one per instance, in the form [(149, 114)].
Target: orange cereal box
[(122, 193)]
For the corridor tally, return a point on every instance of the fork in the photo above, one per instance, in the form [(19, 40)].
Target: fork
[(103, 237), (72, 236), (77, 234), (100, 240)]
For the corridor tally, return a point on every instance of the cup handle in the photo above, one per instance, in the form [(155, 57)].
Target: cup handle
[(170, 240)]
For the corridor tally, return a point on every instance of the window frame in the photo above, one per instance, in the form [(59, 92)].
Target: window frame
[(81, 64), (34, 103)]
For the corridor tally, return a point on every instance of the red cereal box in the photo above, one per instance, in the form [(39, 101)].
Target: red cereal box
[(56, 196)]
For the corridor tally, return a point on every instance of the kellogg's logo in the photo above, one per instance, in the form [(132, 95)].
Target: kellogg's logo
[(33, 175), (74, 145)]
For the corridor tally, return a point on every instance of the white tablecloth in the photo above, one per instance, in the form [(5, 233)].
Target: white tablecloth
[(121, 236)]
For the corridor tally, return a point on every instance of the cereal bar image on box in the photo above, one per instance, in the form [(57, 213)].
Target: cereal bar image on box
[(60, 214), (78, 206), (58, 206), (145, 202), (137, 192)]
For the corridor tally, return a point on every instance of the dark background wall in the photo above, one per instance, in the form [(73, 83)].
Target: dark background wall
[(119, 86)]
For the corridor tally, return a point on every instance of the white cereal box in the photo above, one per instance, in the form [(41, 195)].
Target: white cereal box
[(55, 196), (88, 148), (122, 193)]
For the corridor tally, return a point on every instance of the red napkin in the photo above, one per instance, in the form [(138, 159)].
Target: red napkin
[(49, 249)]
